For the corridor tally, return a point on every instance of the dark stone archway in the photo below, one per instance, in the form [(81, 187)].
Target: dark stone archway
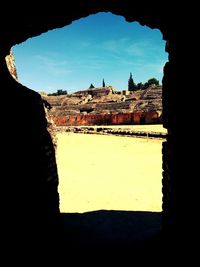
[(25, 123)]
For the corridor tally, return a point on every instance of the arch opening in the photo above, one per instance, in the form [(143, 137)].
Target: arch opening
[(109, 46)]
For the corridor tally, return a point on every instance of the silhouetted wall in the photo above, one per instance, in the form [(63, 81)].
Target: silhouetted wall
[(25, 127)]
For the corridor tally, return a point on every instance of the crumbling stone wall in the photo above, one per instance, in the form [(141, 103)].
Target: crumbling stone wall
[(107, 119), (10, 61), (147, 100), (51, 126)]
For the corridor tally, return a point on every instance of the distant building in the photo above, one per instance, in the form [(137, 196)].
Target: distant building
[(97, 91)]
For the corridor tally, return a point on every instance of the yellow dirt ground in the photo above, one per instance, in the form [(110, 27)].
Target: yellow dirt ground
[(109, 172)]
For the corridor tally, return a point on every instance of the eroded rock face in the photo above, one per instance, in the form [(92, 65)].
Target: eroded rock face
[(10, 61)]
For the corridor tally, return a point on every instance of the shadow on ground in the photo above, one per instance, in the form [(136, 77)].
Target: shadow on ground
[(106, 232)]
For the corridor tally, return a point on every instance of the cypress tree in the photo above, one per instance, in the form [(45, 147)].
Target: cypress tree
[(131, 85), (91, 86)]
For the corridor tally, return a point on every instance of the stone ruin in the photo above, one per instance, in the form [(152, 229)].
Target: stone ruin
[(104, 105)]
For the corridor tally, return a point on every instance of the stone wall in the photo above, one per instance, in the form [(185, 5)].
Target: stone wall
[(107, 119), (99, 91)]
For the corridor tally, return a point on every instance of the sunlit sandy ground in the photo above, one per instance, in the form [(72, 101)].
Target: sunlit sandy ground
[(109, 172)]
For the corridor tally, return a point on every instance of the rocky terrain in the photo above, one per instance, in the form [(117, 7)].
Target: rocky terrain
[(10, 61)]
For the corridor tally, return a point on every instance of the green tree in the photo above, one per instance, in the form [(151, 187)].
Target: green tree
[(150, 82), (140, 86), (91, 86), (131, 84), (59, 92), (103, 84), (153, 81)]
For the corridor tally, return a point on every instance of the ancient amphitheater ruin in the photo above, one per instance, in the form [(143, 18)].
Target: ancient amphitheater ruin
[(106, 106)]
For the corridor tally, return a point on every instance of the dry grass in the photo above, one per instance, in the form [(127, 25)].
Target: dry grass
[(109, 172)]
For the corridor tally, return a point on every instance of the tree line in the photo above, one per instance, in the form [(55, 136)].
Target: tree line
[(132, 86), (59, 92)]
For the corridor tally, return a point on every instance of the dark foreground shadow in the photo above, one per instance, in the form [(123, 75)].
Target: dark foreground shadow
[(103, 232)]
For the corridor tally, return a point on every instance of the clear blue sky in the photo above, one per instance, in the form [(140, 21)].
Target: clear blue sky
[(101, 46)]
